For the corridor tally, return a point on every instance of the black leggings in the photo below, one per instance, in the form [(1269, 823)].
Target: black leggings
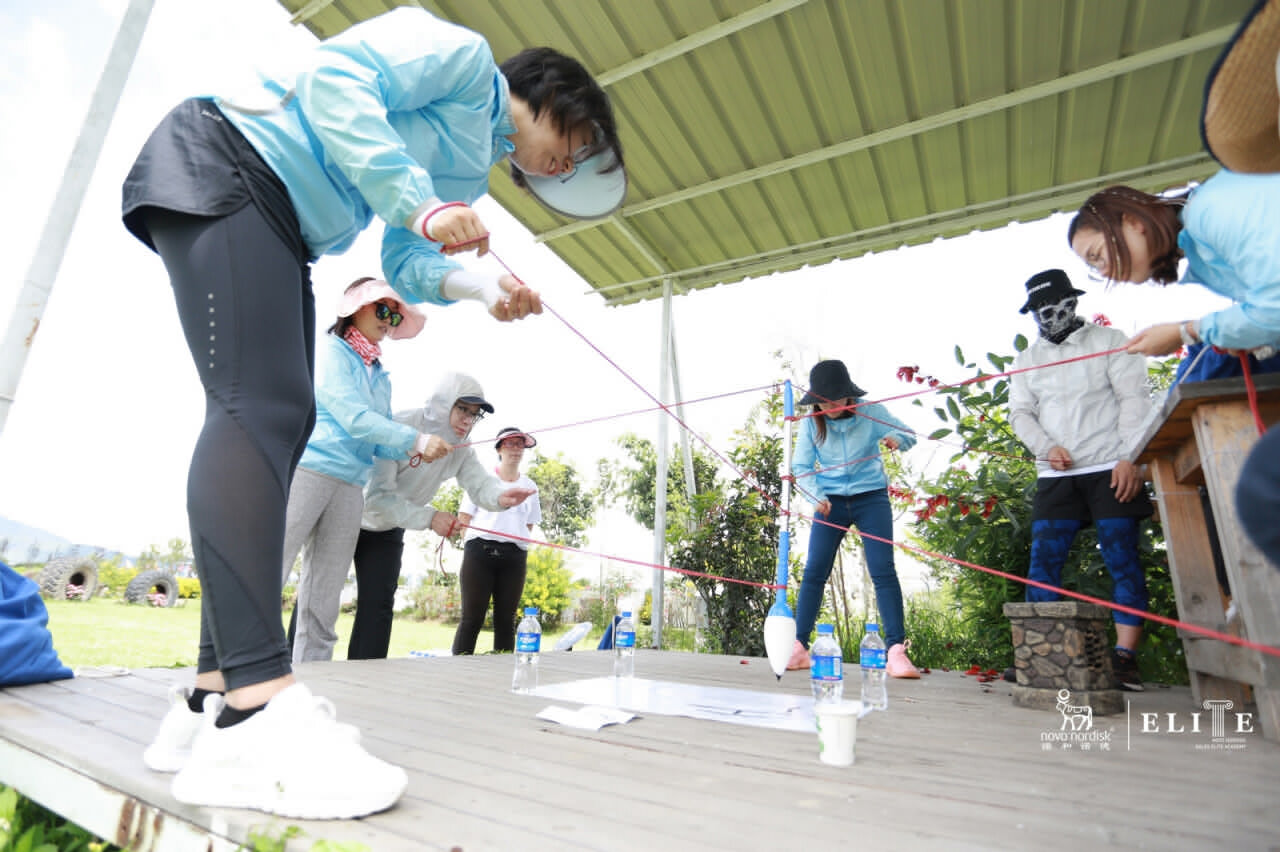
[(248, 314), (490, 569), (377, 560)]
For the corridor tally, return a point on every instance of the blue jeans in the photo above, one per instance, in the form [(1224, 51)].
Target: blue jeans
[(870, 513)]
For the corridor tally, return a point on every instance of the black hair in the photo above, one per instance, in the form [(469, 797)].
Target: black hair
[(546, 79), (341, 325)]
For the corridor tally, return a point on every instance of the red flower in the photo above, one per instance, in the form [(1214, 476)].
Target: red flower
[(1101, 319)]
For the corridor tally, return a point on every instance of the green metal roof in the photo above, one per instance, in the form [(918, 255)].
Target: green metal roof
[(765, 136)]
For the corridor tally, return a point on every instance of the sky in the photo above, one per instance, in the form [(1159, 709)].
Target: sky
[(98, 440)]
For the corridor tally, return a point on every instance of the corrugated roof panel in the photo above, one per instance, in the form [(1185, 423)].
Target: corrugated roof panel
[(770, 134)]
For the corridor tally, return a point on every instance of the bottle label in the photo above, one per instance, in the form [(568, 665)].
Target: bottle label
[(625, 639), (872, 658), (528, 643), (827, 667)]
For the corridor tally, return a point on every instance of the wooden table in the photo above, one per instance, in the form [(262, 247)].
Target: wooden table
[(1201, 436), (951, 765)]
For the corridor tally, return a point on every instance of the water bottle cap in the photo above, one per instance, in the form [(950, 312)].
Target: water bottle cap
[(826, 628), (626, 613), (872, 626), (531, 610)]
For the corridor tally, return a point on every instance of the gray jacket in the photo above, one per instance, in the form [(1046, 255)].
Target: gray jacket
[(398, 494)]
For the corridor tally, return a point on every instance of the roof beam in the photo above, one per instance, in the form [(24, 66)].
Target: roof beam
[(1049, 88), (690, 43), (1030, 205)]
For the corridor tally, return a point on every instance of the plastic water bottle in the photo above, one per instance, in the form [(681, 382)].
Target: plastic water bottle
[(871, 657), (528, 643), (827, 674), (624, 647)]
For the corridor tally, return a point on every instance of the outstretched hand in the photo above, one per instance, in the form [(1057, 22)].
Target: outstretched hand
[(1162, 339), (515, 496), (517, 302)]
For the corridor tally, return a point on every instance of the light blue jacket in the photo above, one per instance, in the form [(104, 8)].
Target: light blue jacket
[(392, 117), (353, 417), (1231, 237), (851, 438)]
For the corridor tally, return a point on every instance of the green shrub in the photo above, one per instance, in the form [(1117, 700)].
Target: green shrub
[(547, 586)]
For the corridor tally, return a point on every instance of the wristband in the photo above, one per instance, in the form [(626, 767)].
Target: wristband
[(1188, 334), (423, 226)]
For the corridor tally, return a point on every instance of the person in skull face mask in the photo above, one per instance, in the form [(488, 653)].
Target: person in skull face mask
[(1078, 418)]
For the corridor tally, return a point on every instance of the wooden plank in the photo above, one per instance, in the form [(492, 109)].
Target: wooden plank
[(1170, 425), (1225, 432), (952, 764), (1196, 591)]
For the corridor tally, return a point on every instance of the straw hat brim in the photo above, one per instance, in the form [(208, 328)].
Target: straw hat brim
[(1240, 122)]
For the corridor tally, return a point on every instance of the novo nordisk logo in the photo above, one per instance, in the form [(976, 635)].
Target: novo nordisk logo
[(1226, 731)]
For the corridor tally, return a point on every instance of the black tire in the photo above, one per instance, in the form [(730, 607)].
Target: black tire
[(59, 578), (149, 582)]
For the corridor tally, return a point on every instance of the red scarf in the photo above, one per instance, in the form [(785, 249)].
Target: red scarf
[(368, 352)]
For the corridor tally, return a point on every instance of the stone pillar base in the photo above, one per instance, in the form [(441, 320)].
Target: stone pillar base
[(1063, 645)]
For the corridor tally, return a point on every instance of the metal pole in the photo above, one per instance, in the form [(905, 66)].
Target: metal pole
[(660, 478), (34, 295)]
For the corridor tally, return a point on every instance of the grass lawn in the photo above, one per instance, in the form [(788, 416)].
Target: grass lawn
[(109, 632)]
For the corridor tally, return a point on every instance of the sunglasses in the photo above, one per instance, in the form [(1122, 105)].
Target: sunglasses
[(383, 312)]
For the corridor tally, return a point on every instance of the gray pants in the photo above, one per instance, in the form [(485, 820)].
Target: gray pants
[(323, 521)]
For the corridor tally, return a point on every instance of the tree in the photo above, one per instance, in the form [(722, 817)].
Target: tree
[(727, 531), (567, 508), (633, 482)]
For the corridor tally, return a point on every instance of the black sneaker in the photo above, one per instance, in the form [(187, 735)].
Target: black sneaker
[(1125, 670)]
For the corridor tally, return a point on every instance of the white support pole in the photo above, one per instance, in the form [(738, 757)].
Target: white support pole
[(34, 295), (686, 447), (660, 478)]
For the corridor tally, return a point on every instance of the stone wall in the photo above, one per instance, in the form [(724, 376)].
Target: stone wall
[(1063, 645)]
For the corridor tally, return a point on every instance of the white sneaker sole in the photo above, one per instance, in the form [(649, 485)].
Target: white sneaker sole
[(229, 788)]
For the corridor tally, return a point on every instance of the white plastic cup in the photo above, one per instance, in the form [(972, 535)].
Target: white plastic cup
[(837, 731)]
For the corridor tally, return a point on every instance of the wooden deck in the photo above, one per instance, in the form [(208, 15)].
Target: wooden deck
[(951, 765)]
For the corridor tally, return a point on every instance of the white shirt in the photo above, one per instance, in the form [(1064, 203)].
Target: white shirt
[(515, 522)]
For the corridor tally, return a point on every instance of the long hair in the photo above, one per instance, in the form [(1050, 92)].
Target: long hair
[(1159, 215), (341, 325)]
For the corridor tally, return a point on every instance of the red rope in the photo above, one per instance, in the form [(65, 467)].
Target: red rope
[(1252, 391)]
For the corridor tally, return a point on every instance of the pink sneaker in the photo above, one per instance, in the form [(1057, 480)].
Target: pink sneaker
[(799, 658), (897, 664)]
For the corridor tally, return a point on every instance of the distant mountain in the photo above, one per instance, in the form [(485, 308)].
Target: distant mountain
[(22, 543)]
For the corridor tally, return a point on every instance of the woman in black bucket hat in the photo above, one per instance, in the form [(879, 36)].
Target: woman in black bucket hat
[(837, 465)]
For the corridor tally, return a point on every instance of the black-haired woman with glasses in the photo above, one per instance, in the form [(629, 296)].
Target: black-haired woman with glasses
[(353, 426), (399, 497)]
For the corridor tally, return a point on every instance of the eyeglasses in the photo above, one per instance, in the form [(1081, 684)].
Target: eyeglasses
[(384, 312), (475, 415), (1096, 259), (577, 158)]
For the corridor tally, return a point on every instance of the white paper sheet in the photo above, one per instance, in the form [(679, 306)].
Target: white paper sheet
[(737, 706)]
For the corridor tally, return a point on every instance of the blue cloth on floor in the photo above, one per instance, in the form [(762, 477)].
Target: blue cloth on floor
[(26, 646)]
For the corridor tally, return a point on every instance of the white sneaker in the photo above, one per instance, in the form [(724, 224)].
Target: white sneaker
[(171, 748), (293, 759)]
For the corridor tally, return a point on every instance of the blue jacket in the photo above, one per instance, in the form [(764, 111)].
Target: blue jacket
[(1232, 243), (851, 438), (353, 417), (392, 117)]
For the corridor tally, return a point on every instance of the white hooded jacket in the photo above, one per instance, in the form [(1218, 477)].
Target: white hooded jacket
[(1094, 407), (398, 494)]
